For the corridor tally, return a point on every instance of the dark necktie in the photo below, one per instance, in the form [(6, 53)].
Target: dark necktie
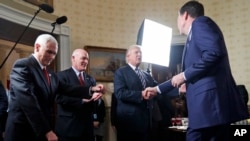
[(81, 79), (46, 74), (141, 76)]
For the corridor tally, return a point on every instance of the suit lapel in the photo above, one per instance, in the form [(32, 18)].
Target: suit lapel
[(185, 50), (135, 76), (39, 72), (73, 75)]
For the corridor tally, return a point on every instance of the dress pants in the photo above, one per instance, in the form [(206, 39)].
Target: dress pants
[(214, 133), (123, 135)]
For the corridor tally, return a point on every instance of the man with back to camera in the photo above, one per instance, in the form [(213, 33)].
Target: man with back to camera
[(213, 101), (3, 110)]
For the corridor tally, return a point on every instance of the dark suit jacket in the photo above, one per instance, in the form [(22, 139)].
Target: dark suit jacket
[(3, 107), (113, 116), (212, 96), (132, 112), (74, 118), (99, 110), (32, 101)]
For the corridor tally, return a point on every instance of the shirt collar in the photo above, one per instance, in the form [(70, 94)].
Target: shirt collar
[(76, 71), (133, 67), (39, 62)]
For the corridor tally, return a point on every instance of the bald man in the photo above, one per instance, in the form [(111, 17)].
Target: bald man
[(74, 120), (33, 87)]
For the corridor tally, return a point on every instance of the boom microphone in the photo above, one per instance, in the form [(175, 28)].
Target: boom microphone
[(59, 20), (46, 8)]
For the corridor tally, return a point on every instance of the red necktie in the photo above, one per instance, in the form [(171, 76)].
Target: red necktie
[(46, 75), (81, 79)]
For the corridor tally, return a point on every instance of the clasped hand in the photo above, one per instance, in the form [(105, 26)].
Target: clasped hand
[(178, 80), (149, 93), (98, 90)]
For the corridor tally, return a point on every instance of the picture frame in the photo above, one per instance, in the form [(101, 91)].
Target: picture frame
[(38, 2), (104, 61)]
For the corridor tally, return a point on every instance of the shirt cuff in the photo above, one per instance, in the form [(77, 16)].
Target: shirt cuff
[(158, 90), (184, 76)]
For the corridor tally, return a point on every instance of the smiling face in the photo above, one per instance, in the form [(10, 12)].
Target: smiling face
[(80, 59), (46, 53)]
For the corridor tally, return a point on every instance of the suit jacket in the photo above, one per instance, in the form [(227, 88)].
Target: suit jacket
[(32, 101), (212, 96), (99, 110), (99, 115), (74, 118), (3, 107), (132, 112), (113, 116)]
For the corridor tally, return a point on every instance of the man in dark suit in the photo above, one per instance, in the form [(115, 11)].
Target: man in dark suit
[(74, 120), (213, 101), (3, 110), (99, 119), (113, 116), (134, 110), (32, 93)]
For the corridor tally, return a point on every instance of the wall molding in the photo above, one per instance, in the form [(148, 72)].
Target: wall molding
[(43, 24)]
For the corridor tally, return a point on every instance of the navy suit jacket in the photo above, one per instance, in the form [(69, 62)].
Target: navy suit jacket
[(212, 96), (74, 118), (32, 101), (132, 112)]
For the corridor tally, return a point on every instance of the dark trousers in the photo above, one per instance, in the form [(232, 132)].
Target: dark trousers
[(214, 133), (123, 135), (98, 138), (83, 138)]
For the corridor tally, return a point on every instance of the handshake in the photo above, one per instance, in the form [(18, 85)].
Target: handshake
[(96, 93), (149, 93)]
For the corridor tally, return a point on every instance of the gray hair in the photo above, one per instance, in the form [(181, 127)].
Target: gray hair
[(44, 38), (129, 50)]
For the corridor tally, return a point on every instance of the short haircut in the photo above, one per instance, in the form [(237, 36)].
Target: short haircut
[(44, 38), (193, 8)]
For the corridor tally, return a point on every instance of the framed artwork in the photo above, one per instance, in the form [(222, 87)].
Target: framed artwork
[(38, 2), (104, 61)]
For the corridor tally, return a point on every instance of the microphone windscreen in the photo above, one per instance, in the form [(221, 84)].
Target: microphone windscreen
[(61, 20), (46, 8)]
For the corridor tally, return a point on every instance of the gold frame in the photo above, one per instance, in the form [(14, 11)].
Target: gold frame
[(104, 61), (38, 2)]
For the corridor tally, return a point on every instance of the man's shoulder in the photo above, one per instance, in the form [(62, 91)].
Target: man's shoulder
[(28, 62), (65, 71), (123, 68), (90, 77)]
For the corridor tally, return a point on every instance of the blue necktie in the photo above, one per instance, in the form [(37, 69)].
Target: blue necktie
[(141, 76)]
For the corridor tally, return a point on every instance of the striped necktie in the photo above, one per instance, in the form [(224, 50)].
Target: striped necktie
[(141, 76)]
